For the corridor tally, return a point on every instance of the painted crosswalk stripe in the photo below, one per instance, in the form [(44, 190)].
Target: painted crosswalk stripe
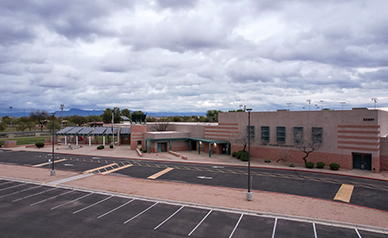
[(55, 161), (344, 193), (97, 169), (154, 176), (116, 169)]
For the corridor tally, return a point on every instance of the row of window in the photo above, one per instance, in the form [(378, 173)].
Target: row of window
[(316, 134)]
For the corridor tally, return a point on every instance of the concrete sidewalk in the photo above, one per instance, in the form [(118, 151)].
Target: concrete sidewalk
[(124, 151)]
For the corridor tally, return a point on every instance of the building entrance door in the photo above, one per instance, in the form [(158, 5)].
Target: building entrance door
[(162, 147), (362, 161)]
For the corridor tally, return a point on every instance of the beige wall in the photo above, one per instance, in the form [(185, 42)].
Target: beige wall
[(344, 133)]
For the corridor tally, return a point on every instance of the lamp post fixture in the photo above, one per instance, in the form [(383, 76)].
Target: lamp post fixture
[(11, 114), (52, 171), (249, 192), (62, 107)]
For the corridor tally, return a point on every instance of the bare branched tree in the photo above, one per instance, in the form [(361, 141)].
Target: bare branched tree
[(308, 146), (241, 138), (160, 126), (284, 154)]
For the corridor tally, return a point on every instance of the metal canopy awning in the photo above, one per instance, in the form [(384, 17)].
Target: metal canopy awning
[(85, 131), (73, 131), (64, 130), (98, 131), (125, 131)]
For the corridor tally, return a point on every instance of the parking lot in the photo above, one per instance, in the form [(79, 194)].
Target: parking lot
[(29, 209), (367, 193)]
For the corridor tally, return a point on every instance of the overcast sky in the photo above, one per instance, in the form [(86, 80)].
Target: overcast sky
[(193, 55)]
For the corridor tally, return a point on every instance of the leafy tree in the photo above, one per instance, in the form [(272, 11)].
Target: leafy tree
[(117, 114), (22, 123), (212, 115), (6, 120), (78, 120), (94, 118), (56, 125), (2, 126), (40, 116), (107, 115), (126, 112)]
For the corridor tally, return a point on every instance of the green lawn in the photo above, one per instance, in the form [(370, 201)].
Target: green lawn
[(25, 140)]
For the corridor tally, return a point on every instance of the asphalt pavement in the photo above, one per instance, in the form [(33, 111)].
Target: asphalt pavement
[(366, 192)]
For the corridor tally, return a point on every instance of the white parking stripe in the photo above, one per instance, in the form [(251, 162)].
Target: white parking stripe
[(169, 217), (71, 201), (141, 213), (13, 187), (115, 208), (33, 195), (52, 197), (274, 227), (235, 227), (358, 233), (80, 210), (9, 194), (200, 223), (6, 182), (315, 230)]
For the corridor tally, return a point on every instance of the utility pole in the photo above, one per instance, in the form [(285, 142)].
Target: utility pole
[(249, 192)]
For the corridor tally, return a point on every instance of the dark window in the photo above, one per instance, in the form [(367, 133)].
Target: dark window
[(317, 135), (281, 134), (252, 131), (265, 133), (298, 135)]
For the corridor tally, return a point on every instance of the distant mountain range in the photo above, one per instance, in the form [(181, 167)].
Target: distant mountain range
[(81, 112)]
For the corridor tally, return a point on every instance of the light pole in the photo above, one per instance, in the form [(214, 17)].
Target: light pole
[(61, 107), (52, 171), (249, 192), (11, 114), (288, 105), (373, 99)]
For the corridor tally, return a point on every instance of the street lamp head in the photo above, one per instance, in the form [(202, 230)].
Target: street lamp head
[(249, 109)]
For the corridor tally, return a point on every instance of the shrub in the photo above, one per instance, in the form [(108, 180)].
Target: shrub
[(292, 165), (234, 154), (267, 160), (310, 165), (144, 150), (111, 146), (39, 144), (100, 147), (238, 155), (320, 165), (334, 166), (244, 156)]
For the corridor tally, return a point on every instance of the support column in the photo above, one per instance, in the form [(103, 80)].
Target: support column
[(170, 144), (189, 145), (103, 140), (65, 140), (227, 149), (76, 140), (210, 150), (90, 141), (199, 147)]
